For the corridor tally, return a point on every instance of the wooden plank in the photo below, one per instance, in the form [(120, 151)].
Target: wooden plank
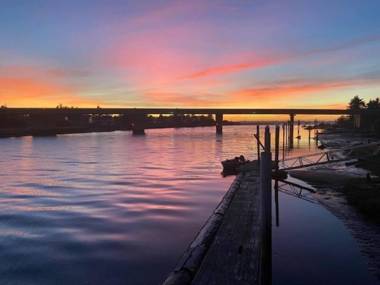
[(234, 256), (188, 264)]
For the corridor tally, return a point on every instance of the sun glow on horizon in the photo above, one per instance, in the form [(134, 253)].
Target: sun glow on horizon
[(173, 54)]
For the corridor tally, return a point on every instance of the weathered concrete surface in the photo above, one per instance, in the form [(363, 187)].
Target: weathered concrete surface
[(234, 256)]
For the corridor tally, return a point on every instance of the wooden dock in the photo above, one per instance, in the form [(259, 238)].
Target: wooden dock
[(234, 256), (229, 248), (235, 244)]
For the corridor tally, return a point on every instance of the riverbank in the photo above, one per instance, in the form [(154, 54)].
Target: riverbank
[(351, 193)]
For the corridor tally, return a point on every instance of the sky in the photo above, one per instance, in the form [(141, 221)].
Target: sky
[(199, 53)]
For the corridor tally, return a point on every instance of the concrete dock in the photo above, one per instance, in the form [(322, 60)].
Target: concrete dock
[(229, 249)]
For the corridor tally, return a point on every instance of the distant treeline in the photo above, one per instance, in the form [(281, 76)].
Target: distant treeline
[(13, 124), (369, 118), (118, 121)]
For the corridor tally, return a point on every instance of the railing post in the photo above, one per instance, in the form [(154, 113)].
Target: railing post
[(266, 192)]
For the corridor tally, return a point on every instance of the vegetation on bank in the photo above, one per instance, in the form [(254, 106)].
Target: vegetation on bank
[(369, 118), (364, 195)]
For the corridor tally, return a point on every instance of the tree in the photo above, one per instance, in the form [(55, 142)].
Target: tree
[(356, 104), (373, 104)]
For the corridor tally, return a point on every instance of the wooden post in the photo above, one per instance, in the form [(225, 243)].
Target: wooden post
[(287, 133), (283, 141), (257, 142), (266, 192), (316, 136), (291, 131), (298, 130), (276, 158), (277, 204), (277, 147)]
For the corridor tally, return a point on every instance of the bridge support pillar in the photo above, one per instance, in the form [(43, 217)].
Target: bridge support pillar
[(219, 123), (291, 130), (357, 121), (138, 123)]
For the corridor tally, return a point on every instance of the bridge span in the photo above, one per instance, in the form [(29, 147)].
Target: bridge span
[(138, 114)]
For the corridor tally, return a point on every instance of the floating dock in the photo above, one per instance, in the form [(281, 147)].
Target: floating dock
[(235, 244), (230, 248)]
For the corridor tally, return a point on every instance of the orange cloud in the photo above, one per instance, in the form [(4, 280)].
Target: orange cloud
[(291, 93), (28, 92), (175, 99), (264, 61), (223, 69), (283, 91)]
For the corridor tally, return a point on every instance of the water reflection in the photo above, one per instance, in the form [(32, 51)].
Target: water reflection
[(112, 208), (310, 245)]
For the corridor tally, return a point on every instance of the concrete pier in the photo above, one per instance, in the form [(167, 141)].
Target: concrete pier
[(219, 123), (138, 124)]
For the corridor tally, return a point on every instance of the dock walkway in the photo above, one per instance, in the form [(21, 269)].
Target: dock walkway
[(228, 249)]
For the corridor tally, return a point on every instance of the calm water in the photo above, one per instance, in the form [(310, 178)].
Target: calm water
[(112, 208)]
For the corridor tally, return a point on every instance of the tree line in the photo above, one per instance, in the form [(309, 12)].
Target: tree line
[(370, 114)]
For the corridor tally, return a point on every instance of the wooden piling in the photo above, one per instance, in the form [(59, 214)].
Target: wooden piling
[(287, 133), (258, 142), (277, 204), (266, 191), (277, 147), (276, 158), (291, 131), (283, 141)]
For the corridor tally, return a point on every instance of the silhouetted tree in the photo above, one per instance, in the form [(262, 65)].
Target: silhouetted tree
[(373, 104), (356, 104)]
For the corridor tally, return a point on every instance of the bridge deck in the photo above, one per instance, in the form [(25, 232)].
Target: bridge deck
[(226, 111)]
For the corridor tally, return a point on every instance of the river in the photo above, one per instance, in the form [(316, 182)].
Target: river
[(112, 208)]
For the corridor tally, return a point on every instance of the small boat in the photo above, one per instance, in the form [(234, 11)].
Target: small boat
[(231, 166), (279, 175)]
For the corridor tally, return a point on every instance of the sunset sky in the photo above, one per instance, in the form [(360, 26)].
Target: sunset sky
[(215, 53)]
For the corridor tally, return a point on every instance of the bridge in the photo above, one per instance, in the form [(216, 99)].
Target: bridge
[(138, 114)]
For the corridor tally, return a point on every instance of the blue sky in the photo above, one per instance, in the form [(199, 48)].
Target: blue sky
[(188, 53)]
